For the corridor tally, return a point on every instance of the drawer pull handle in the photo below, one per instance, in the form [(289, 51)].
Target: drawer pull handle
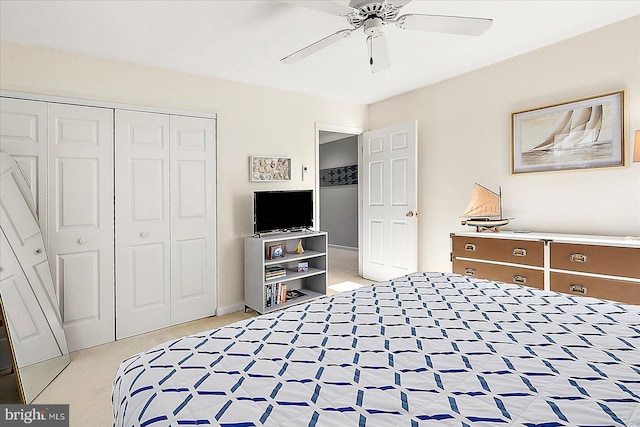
[(519, 252), (521, 280), (470, 271), (470, 247), (578, 258), (144, 234), (37, 251), (578, 289)]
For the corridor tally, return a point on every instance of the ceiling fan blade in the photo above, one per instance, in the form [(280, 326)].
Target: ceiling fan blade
[(378, 52), (322, 6), (445, 24), (314, 47), (398, 3)]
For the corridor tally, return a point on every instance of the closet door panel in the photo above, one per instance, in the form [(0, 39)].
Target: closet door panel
[(23, 134), (81, 236), (193, 281), (142, 223)]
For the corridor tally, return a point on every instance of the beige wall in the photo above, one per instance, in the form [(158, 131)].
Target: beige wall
[(251, 120), (464, 136)]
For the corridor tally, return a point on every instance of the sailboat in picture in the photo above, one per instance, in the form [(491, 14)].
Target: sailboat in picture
[(485, 210)]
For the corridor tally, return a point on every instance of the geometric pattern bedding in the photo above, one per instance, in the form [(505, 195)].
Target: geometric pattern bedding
[(421, 350)]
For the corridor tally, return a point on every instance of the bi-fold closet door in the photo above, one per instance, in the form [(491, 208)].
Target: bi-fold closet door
[(160, 270), (66, 152), (165, 220)]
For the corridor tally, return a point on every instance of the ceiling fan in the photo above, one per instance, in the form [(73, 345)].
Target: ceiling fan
[(372, 16)]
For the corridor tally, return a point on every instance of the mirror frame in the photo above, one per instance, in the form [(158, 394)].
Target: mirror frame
[(53, 366)]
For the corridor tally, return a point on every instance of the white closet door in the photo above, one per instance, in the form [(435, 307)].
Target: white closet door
[(23, 134), (142, 223), (193, 275), (81, 236)]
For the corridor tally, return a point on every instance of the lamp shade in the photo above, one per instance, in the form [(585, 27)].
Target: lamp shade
[(636, 148)]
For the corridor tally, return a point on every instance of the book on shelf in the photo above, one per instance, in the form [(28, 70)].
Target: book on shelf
[(274, 272), (275, 293)]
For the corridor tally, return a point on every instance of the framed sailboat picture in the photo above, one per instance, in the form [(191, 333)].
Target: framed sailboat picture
[(585, 133)]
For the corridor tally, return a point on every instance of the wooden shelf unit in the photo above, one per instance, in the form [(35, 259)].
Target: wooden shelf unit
[(313, 283)]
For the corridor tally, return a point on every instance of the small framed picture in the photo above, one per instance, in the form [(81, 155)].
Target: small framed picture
[(265, 168), (276, 251), (303, 267)]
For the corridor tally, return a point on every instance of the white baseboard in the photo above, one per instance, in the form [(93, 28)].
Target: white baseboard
[(346, 248), (221, 311)]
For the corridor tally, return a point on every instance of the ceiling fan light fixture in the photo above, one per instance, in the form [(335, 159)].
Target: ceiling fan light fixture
[(373, 26)]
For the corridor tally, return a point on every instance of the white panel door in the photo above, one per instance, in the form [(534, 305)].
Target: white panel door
[(143, 277), (389, 201), (23, 134), (193, 224), (81, 220)]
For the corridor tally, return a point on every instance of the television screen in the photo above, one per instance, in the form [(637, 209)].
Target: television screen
[(282, 210)]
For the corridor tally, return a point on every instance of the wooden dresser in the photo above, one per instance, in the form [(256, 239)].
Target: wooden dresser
[(597, 266)]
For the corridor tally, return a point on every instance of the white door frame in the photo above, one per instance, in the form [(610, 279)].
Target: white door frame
[(326, 127), (350, 130)]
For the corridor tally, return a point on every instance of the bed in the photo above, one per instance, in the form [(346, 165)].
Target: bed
[(420, 350)]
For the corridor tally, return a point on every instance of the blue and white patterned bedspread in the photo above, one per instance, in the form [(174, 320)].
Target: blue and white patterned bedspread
[(426, 349)]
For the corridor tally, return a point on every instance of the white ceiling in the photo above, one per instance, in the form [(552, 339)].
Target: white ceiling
[(243, 40)]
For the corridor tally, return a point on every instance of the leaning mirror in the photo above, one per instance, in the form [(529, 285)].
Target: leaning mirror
[(28, 301)]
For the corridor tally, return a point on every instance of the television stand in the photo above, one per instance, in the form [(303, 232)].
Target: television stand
[(267, 277)]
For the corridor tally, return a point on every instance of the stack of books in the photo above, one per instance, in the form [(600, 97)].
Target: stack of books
[(274, 272), (276, 293)]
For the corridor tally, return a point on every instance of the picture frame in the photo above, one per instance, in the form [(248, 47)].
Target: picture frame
[(269, 168), (276, 251), (579, 134)]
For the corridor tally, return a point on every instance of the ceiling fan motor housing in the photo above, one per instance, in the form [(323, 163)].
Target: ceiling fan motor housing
[(371, 10)]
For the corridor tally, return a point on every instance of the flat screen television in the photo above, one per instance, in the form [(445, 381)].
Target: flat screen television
[(282, 210)]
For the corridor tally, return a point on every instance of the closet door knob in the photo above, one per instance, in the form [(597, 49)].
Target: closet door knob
[(144, 234), (82, 241)]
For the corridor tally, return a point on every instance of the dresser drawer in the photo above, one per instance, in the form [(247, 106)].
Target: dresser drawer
[(611, 289), (500, 273), (611, 260), (525, 252)]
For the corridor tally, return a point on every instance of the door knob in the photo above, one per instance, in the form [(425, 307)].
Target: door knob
[(409, 214)]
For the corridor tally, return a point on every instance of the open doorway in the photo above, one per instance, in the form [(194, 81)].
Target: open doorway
[(338, 210)]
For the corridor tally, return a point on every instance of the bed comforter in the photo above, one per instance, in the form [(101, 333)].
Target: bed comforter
[(421, 350)]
